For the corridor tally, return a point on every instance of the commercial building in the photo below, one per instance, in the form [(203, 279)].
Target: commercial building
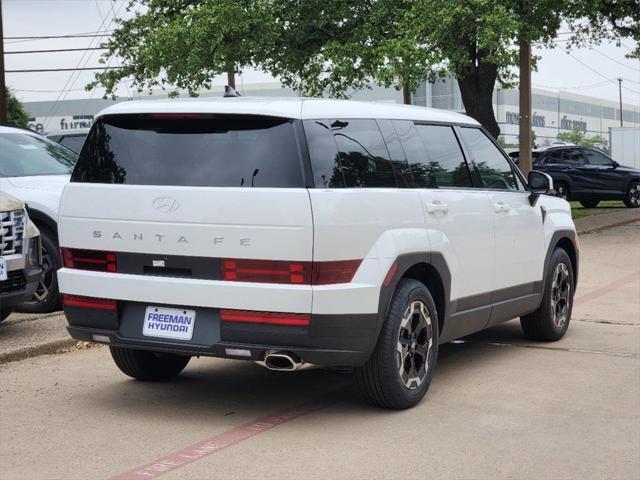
[(553, 111)]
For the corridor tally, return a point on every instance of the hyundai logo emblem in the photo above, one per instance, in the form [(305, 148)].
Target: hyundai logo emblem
[(166, 204)]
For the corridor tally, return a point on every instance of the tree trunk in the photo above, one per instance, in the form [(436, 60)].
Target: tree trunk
[(231, 79), (476, 88), (406, 94)]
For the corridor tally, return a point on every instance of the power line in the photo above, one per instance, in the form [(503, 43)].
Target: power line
[(54, 50), (39, 70), (45, 91), (598, 73), (614, 60), (74, 35)]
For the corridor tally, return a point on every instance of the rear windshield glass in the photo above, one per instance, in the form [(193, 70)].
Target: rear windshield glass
[(187, 150), (23, 155)]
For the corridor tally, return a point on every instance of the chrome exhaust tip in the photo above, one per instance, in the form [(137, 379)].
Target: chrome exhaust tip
[(282, 361)]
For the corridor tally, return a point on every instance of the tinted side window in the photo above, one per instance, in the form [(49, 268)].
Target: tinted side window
[(572, 156), (493, 168), (415, 152), (363, 154), (446, 166), (554, 157), (323, 153), (597, 158), (397, 154)]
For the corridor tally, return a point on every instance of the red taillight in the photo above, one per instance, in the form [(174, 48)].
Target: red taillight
[(77, 301), (339, 271), (296, 273), (96, 260), (266, 271), (271, 318)]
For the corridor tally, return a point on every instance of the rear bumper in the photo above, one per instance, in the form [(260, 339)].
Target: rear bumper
[(332, 340)]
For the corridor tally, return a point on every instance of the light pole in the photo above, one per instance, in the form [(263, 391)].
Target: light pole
[(3, 86), (620, 94)]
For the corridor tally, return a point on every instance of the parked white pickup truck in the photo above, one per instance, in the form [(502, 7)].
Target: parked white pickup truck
[(20, 268)]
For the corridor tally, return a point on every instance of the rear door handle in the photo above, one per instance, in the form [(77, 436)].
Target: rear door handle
[(501, 207), (437, 207)]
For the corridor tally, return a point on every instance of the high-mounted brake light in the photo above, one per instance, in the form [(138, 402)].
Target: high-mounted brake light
[(77, 301), (175, 115), (96, 260), (295, 273), (271, 318)]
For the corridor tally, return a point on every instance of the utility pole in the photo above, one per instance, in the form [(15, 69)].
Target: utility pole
[(620, 94), (3, 86), (525, 143)]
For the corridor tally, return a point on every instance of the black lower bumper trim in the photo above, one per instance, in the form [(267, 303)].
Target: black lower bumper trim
[(256, 352)]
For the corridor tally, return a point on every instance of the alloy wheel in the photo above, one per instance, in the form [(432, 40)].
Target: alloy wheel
[(560, 295), (634, 195), (415, 342), (44, 286)]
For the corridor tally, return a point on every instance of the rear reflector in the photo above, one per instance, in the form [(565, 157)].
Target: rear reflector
[(389, 276), (92, 303), (96, 260), (271, 318), (295, 273)]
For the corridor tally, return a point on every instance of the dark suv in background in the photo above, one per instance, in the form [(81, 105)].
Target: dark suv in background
[(587, 175)]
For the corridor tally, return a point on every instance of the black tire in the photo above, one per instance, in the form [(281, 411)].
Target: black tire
[(562, 190), (589, 203), (47, 297), (4, 313), (380, 380), (548, 323), (632, 198), (146, 365)]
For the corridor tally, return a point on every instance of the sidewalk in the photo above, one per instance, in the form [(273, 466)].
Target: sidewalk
[(593, 223)]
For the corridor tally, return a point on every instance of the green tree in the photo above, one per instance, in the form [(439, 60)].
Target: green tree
[(578, 137), (16, 114), (185, 43), (401, 43), (607, 19), (337, 46)]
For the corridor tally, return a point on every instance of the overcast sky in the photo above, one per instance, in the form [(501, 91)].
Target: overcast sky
[(585, 71)]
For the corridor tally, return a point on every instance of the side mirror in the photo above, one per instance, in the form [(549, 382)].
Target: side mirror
[(539, 183), (614, 164)]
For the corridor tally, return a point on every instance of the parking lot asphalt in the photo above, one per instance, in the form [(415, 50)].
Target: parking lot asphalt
[(500, 406)]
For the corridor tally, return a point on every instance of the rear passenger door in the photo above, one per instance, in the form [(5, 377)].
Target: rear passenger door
[(459, 219), (604, 176), (519, 233)]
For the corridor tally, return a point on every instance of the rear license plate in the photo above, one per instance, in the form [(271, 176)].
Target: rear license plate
[(174, 323), (3, 270)]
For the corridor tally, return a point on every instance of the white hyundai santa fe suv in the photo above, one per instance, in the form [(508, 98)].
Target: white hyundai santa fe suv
[(294, 231)]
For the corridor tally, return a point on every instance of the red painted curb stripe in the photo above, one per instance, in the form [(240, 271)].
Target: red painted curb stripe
[(214, 444), (592, 295)]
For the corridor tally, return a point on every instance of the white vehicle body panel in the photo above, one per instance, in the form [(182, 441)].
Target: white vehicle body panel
[(489, 240)]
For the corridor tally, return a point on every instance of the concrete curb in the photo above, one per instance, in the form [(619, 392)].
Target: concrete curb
[(59, 346), (595, 223)]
